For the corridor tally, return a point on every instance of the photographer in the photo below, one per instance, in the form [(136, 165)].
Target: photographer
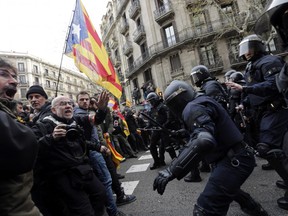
[(63, 156)]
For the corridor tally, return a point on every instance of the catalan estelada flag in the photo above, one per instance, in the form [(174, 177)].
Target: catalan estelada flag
[(90, 57)]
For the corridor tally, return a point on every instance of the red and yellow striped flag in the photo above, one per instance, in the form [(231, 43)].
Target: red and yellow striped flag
[(116, 157), (90, 57)]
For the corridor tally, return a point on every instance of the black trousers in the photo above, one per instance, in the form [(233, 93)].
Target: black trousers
[(81, 196), (116, 184)]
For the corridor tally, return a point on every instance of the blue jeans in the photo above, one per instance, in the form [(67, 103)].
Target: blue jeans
[(225, 182), (99, 165)]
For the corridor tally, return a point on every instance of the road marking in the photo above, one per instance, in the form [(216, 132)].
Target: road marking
[(129, 186), (138, 168), (145, 157)]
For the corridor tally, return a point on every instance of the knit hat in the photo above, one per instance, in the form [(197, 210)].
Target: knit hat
[(36, 89)]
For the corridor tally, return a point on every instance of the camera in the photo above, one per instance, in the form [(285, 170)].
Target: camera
[(73, 132)]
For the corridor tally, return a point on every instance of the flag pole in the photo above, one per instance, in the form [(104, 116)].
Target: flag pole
[(64, 48)]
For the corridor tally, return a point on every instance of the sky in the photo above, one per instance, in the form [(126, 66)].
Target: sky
[(39, 27)]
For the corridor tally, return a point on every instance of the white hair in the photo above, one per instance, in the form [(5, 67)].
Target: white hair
[(58, 99)]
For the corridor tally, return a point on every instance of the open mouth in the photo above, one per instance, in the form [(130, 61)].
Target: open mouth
[(68, 111), (10, 92)]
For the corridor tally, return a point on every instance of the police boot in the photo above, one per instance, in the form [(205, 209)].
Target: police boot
[(256, 211), (194, 176), (283, 201), (204, 167), (267, 166), (171, 152), (281, 184), (155, 165), (249, 205)]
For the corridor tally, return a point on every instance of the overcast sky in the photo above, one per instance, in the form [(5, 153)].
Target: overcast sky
[(39, 27)]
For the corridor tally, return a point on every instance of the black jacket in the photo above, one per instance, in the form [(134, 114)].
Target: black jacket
[(57, 156)]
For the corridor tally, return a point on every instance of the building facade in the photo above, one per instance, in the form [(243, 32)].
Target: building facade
[(158, 41), (35, 71)]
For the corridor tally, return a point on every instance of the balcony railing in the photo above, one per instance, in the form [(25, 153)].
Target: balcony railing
[(114, 43), (213, 66), (124, 27), (116, 61), (139, 34), (127, 48), (121, 5), (134, 9), (185, 36), (163, 12)]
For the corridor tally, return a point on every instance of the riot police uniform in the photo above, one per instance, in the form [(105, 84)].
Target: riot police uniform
[(276, 15), (201, 77), (213, 136), (268, 104), (159, 113)]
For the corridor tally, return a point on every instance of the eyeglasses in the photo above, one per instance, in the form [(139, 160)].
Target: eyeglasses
[(7, 74), (65, 103)]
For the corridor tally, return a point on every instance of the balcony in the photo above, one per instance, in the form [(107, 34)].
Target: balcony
[(50, 87), (163, 13), (214, 66), (114, 43), (235, 61), (139, 34), (69, 81), (124, 27), (50, 76), (23, 83), (121, 6), (134, 9), (127, 48), (116, 61)]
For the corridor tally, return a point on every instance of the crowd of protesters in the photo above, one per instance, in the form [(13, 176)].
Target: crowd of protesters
[(68, 151)]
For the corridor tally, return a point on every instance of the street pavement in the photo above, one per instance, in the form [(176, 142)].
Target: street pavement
[(180, 197)]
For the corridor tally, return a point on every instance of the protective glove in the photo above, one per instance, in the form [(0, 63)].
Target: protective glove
[(162, 180)]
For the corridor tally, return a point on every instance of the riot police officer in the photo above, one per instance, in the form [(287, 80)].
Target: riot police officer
[(235, 98), (160, 113), (268, 104), (213, 136), (201, 77), (276, 14), (228, 74)]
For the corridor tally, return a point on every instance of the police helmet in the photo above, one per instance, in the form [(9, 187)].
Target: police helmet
[(153, 98), (237, 77), (251, 43), (199, 74), (228, 74), (177, 95), (275, 14)]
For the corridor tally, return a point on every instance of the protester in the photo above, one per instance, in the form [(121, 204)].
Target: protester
[(38, 100), (18, 151), (63, 156), (97, 161), (121, 197)]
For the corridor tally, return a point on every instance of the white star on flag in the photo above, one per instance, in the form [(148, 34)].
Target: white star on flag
[(76, 30)]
